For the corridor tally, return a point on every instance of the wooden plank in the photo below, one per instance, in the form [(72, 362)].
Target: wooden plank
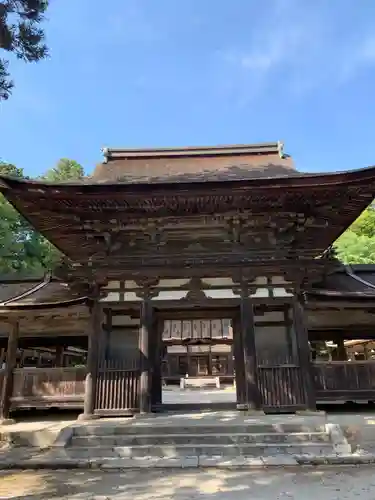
[(201, 314)]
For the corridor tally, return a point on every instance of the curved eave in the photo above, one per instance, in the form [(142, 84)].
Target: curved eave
[(295, 181), (29, 292), (41, 306), (54, 208), (334, 294), (367, 292)]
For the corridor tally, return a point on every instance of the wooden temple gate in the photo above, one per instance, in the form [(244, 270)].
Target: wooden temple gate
[(195, 216), (270, 350)]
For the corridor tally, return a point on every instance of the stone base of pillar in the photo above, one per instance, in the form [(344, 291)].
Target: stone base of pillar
[(88, 416), (7, 421), (254, 413), (241, 406), (249, 411)]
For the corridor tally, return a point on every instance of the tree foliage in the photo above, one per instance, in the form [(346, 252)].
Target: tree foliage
[(65, 170), (357, 244), (21, 35), (22, 249)]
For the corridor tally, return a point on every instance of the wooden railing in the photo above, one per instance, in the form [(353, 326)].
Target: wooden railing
[(344, 380), (281, 387), (43, 387), (117, 390)]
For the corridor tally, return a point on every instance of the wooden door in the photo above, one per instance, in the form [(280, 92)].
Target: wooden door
[(193, 366), (203, 365), (199, 366), (117, 389), (280, 378)]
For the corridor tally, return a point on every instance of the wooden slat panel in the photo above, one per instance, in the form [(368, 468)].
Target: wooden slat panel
[(281, 387), (118, 386), (344, 379), (37, 385)]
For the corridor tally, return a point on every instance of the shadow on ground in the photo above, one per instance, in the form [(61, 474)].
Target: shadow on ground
[(188, 485)]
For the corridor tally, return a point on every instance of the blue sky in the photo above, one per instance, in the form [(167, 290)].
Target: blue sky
[(132, 73)]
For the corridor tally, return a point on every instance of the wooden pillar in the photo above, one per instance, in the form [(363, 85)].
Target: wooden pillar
[(7, 386), (304, 353), (145, 333), (189, 370), (253, 398), (59, 355), (156, 354), (230, 361), (366, 352), (96, 319), (2, 356), (209, 367), (341, 351), (239, 363)]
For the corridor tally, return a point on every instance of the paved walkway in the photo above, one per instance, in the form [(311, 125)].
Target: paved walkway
[(173, 395), (309, 484)]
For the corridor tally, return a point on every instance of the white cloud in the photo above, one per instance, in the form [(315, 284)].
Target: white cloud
[(359, 57), (300, 47)]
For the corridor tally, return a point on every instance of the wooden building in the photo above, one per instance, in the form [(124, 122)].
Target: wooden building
[(197, 348), (195, 237)]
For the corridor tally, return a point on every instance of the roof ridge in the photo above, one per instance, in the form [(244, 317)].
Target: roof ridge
[(230, 149)]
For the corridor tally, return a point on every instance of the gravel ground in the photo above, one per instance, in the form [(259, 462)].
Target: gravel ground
[(305, 484)]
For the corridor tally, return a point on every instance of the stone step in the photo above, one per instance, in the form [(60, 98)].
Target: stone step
[(199, 439), (134, 428), (232, 450)]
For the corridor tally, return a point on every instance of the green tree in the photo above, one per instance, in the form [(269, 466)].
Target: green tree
[(22, 249), (16, 235), (65, 170), (21, 35), (356, 249), (365, 224), (11, 170), (357, 244)]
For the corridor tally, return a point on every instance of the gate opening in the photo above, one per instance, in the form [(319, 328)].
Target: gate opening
[(198, 365)]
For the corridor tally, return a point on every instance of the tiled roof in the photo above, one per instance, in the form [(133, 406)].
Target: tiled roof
[(350, 281)]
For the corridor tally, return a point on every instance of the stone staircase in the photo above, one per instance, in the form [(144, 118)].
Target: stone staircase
[(163, 441)]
